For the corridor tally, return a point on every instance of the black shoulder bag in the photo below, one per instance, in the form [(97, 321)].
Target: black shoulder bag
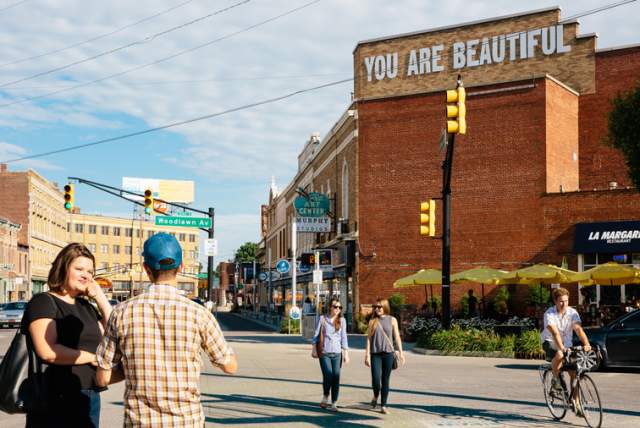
[(22, 380)]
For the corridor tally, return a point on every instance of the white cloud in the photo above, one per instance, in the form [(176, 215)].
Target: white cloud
[(12, 151)]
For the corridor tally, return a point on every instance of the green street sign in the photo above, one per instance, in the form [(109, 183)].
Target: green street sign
[(203, 222)]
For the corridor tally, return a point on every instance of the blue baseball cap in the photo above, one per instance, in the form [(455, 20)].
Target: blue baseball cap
[(162, 252)]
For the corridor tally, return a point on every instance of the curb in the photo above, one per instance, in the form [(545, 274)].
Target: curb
[(494, 354)]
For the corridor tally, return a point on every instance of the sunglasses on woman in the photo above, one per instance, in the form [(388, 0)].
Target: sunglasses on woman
[(336, 307), (377, 306)]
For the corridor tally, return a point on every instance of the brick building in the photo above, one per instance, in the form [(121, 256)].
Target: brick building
[(13, 263), (531, 176), (36, 204)]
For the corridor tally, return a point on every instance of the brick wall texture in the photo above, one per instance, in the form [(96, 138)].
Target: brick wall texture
[(524, 140)]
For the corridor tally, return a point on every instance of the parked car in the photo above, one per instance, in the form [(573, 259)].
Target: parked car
[(619, 341), (11, 314), (113, 302), (198, 300)]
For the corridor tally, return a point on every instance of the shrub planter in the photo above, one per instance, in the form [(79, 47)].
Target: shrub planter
[(493, 354)]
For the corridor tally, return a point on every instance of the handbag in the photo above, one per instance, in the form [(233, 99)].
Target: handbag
[(318, 348), (396, 354), (22, 386), (22, 379)]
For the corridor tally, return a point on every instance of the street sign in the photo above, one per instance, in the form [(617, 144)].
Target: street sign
[(317, 277), (262, 276), (282, 266), (303, 268), (275, 275), (203, 222), (294, 313), (313, 224), (210, 247)]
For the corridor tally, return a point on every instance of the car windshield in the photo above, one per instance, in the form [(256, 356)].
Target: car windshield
[(628, 319), (15, 306)]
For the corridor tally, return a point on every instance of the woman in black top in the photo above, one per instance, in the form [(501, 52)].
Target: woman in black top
[(65, 330)]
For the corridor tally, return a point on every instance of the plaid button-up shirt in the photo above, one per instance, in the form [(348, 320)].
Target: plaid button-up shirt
[(158, 336)]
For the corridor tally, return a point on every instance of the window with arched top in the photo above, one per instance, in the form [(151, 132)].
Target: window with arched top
[(345, 191)]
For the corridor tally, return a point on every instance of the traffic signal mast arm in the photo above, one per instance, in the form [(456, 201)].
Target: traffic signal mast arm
[(115, 191)]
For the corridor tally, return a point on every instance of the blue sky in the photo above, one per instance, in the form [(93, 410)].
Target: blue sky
[(232, 157)]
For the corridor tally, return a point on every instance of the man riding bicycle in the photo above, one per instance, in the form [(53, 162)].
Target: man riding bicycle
[(560, 321)]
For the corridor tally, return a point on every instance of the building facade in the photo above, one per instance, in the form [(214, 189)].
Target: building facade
[(530, 169), (36, 204), (117, 246), (327, 166), (13, 264)]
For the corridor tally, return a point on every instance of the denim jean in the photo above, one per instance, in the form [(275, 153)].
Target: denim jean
[(381, 366), (80, 409), (330, 365)]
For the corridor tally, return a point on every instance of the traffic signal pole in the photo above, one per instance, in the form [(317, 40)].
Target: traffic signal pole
[(446, 233), (210, 259), (456, 124)]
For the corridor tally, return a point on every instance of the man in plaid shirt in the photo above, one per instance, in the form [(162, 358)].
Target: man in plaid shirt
[(157, 336)]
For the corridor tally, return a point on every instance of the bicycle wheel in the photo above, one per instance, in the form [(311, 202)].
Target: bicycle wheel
[(556, 401), (590, 400)]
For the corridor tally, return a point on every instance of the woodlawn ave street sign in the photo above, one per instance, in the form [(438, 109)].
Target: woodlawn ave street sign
[(203, 222)]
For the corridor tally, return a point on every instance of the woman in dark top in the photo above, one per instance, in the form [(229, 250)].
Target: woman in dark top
[(382, 333), (65, 330)]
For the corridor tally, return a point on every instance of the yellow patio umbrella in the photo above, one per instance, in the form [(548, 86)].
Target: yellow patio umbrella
[(609, 274), (422, 277), (481, 275), (542, 273)]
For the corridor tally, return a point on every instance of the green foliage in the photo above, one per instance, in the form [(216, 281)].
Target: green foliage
[(437, 300), (528, 345), (458, 340), (396, 301), (284, 326), (501, 301), (507, 344), (624, 130), (538, 295), (464, 305), (362, 323), (246, 252)]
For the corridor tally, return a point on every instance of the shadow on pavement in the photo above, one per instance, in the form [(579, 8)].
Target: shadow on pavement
[(266, 339), (524, 366), (426, 393), (481, 417), (262, 413)]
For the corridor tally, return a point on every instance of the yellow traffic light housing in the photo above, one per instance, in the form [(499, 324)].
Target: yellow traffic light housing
[(148, 201), (428, 218), (456, 113), (68, 197)]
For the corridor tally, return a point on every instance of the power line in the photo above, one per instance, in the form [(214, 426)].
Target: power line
[(101, 36), (128, 45), (596, 10), (196, 81), (13, 5), (175, 124), (177, 54)]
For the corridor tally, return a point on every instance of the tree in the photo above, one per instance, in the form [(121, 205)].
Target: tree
[(246, 252), (624, 130)]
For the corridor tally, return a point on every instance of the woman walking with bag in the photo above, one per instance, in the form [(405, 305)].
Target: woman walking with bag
[(65, 330), (380, 354), (330, 346)]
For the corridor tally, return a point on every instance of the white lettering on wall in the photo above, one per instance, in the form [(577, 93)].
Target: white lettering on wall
[(471, 53)]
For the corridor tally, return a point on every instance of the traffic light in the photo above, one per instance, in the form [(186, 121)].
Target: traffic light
[(148, 201), (428, 218), (68, 197), (456, 113)]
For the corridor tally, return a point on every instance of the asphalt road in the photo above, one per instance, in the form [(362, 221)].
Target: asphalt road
[(279, 384)]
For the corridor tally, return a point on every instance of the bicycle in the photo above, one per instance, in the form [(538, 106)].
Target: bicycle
[(588, 404)]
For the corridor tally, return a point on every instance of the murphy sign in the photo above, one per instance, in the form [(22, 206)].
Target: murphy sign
[(490, 51)]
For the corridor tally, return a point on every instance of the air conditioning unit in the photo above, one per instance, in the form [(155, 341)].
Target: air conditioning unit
[(343, 226)]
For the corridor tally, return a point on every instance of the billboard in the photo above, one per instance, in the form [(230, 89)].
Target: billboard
[(179, 191)]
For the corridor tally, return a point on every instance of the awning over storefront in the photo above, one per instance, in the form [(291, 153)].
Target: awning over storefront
[(607, 237)]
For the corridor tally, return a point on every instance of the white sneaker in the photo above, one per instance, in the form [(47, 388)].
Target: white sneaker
[(334, 407), (324, 402)]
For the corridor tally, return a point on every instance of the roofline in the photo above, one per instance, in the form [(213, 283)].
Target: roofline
[(615, 48), (455, 26)]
